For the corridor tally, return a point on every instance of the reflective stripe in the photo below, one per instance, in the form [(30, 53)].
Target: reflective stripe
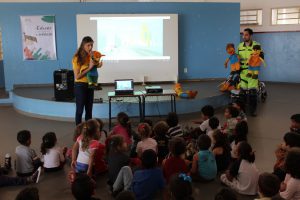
[(244, 80)]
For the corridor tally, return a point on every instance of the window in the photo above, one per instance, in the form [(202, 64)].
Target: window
[(251, 17), (286, 16)]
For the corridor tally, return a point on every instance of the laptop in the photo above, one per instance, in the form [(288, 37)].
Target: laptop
[(124, 87)]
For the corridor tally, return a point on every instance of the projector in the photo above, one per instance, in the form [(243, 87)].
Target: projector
[(153, 89)]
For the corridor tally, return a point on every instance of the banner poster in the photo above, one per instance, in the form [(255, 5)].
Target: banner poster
[(38, 37)]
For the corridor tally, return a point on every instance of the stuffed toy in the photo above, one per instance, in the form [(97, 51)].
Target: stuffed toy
[(254, 62), (92, 75), (233, 58), (235, 66), (189, 94), (226, 86)]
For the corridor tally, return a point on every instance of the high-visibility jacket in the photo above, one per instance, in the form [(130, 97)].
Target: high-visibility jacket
[(244, 53)]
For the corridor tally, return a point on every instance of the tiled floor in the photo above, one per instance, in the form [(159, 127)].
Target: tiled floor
[(266, 131)]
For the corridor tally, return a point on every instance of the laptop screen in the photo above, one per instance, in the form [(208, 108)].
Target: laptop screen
[(124, 84)]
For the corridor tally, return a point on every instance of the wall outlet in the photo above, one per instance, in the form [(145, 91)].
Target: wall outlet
[(185, 70)]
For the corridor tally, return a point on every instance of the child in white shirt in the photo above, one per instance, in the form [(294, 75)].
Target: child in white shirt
[(53, 155), (290, 188), (242, 175)]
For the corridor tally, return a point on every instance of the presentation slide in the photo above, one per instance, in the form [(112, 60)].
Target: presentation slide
[(131, 38), (143, 47)]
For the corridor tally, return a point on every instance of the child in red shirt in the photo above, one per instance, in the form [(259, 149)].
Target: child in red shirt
[(100, 165), (175, 163), (123, 128)]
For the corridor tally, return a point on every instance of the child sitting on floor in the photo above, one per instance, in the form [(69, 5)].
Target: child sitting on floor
[(268, 186), (175, 129), (231, 113), (295, 123), (27, 160), (242, 175), (290, 189), (77, 133), (100, 165), (221, 150), (240, 135), (53, 155), (84, 150), (214, 125), (290, 139), (103, 133), (117, 158), (83, 187), (160, 130), (123, 128), (207, 112), (175, 163), (181, 187), (204, 167), (31, 193), (146, 143), (241, 108), (149, 180)]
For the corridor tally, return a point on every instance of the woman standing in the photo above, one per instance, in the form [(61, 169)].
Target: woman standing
[(82, 64)]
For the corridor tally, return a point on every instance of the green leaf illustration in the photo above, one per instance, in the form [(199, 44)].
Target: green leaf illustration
[(48, 19)]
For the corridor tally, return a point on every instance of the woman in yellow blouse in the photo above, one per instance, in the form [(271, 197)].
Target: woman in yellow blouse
[(82, 64)]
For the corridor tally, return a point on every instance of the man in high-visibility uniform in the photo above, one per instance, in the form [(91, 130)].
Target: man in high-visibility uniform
[(248, 85)]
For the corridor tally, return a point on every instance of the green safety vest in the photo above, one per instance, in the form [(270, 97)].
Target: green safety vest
[(244, 53)]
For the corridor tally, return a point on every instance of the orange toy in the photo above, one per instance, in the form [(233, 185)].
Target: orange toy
[(92, 75), (96, 56), (188, 94)]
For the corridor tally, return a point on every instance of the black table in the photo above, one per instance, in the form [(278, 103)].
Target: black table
[(142, 95), (137, 94), (170, 93)]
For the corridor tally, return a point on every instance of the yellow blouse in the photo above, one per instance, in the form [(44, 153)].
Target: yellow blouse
[(81, 68)]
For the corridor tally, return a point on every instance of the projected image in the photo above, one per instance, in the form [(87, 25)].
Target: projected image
[(130, 38)]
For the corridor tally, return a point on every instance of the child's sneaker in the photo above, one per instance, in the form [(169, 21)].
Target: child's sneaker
[(36, 175)]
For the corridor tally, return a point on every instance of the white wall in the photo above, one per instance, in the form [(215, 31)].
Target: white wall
[(265, 5)]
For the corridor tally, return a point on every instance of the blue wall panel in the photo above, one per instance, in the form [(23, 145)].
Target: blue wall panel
[(282, 56), (204, 30)]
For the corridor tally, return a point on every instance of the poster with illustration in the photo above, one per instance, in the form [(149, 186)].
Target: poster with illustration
[(38, 37)]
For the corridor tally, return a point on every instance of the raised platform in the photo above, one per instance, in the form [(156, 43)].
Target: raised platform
[(39, 101)]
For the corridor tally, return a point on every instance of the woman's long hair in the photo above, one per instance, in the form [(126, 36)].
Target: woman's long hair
[(81, 54)]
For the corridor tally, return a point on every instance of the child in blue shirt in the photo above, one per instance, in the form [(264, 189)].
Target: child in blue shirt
[(204, 167), (149, 180)]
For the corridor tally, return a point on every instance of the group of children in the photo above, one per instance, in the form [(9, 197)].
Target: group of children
[(28, 164), (162, 158)]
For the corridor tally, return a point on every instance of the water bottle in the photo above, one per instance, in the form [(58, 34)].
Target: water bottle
[(7, 161)]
